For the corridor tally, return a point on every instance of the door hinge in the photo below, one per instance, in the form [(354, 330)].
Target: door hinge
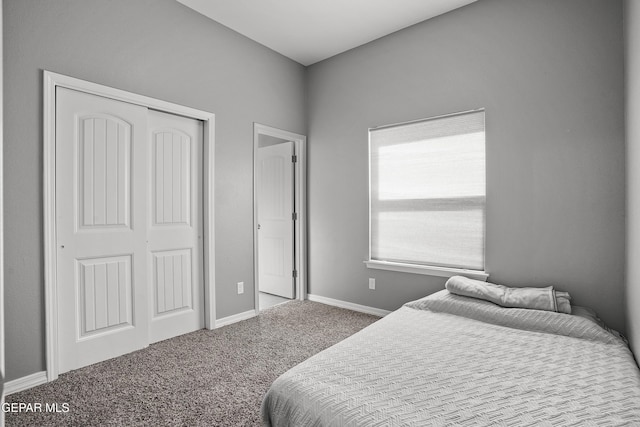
[(294, 158), (295, 273), (294, 216)]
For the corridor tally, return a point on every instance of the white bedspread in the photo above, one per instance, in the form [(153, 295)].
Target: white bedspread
[(458, 361)]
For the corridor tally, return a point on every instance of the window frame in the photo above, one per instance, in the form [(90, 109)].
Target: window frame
[(424, 269)]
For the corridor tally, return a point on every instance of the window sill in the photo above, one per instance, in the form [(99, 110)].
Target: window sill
[(427, 270)]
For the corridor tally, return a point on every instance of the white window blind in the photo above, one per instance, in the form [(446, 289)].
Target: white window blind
[(427, 192)]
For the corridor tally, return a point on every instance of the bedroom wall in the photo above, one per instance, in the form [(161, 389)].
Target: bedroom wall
[(632, 49), (550, 75), (157, 48)]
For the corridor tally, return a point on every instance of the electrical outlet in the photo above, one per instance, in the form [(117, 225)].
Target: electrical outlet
[(240, 288), (372, 283)]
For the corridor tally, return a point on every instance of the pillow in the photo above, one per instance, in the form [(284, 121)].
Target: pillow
[(534, 298)]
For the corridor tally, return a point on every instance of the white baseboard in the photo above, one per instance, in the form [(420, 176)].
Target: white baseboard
[(235, 318), (25, 383), (348, 305)]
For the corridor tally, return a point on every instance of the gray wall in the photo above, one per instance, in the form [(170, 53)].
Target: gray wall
[(632, 33), (157, 48), (550, 75)]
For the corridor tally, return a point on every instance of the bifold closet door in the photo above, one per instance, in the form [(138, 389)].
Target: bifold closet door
[(101, 172), (129, 227), (175, 257)]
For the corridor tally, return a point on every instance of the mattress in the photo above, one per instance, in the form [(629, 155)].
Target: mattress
[(454, 360)]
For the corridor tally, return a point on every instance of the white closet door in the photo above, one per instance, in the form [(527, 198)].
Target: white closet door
[(275, 210), (175, 253), (101, 169)]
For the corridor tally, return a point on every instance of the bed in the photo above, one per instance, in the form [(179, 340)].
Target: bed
[(454, 360)]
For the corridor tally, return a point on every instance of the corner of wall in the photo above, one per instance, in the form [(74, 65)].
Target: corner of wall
[(632, 109)]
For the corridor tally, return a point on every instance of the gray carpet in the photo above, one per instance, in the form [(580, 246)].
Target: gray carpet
[(205, 378)]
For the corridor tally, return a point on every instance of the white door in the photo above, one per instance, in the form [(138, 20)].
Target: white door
[(129, 227), (275, 220), (175, 226), (101, 228)]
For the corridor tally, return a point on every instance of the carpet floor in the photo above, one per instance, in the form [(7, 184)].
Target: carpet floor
[(205, 378)]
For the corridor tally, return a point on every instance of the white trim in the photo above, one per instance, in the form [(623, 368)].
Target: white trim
[(300, 143), (234, 318), (50, 260), (348, 305), (209, 243), (441, 116), (53, 80), (2, 322), (427, 270), (25, 383)]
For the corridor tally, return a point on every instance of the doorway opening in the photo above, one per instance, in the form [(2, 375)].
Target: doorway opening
[(279, 216)]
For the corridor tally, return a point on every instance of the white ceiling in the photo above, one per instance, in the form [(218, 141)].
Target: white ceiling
[(309, 31)]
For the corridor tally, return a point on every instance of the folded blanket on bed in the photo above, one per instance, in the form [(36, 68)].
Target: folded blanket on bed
[(535, 298)]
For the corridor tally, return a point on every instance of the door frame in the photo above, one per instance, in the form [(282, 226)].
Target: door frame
[(51, 82), (300, 189), (2, 320)]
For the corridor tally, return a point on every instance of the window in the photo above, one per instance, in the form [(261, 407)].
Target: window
[(427, 193)]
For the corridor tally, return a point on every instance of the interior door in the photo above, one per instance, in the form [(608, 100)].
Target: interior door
[(175, 255), (101, 228), (275, 220)]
